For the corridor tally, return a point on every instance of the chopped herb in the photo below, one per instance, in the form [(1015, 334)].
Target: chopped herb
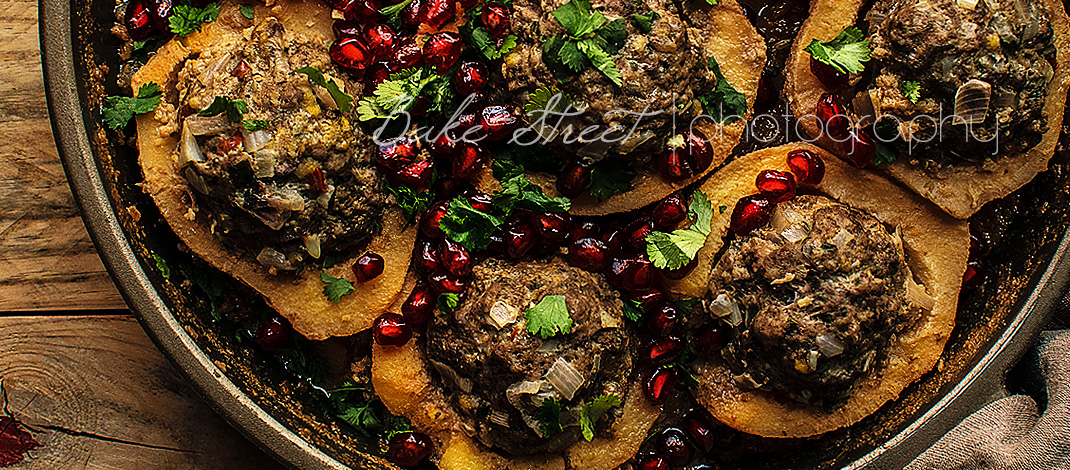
[(479, 39), (722, 209), (911, 90), (590, 39), (363, 417), (186, 19), (547, 99), (391, 12), (674, 250), (712, 2), (336, 287), (447, 301), (221, 104), (724, 103), (411, 203), (886, 134), (608, 179), (253, 125), (645, 23), (247, 11), (845, 52), (549, 317), (118, 110), (686, 306), (549, 417), (397, 94), (468, 226), (138, 45), (341, 99), (519, 193), (161, 265), (330, 259), (633, 310), (593, 410), (211, 282)]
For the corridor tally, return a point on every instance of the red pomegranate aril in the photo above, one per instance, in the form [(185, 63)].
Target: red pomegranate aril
[(573, 180), (160, 11), (409, 448), (412, 15), (698, 150), (639, 275), (445, 147), (497, 241), (396, 152), (229, 144), (449, 188), (427, 260), (663, 320), (469, 161), (481, 201), (649, 300), (682, 271), (471, 77), (138, 20), (519, 239), (590, 254), (496, 19), (670, 212), (459, 128), (360, 11), (408, 54), (350, 53), (347, 29), (634, 235), (376, 74), (273, 333), (429, 223), (833, 117), (381, 40), (659, 384), (498, 121), (672, 443), (711, 339), (466, 4), (615, 272), (585, 229), (554, 227), (439, 12), (673, 167), (241, 70), (442, 50), (416, 175), (750, 213), (418, 308), (699, 429), (391, 329), (455, 258), (860, 148), (443, 282), (973, 277), (776, 186), (368, 267), (807, 166), (652, 462), (661, 351), (830, 77)]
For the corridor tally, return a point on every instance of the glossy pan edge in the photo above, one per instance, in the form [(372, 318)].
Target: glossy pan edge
[(979, 386)]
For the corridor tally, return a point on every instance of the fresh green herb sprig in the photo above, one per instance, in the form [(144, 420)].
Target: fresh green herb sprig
[(478, 38), (549, 317), (341, 99), (645, 23), (549, 417), (608, 179), (674, 250), (911, 90), (724, 103), (398, 94), (589, 40), (235, 108), (335, 287), (593, 410), (411, 203), (118, 110), (845, 53), (186, 19)]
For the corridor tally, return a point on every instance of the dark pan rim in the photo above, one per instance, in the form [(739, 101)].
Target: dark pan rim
[(979, 386)]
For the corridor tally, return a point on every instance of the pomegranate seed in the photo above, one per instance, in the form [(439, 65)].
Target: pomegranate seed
[(649, 300), (381, 40), (471, 77), (442, 50), (461, 130), (160, 11), (833, 117), (663, 320), (973, 277), (408, 54), (229, 144), (455, 258), (360, 11), (573, 180), (241, 70), (416, 175), (672, 166), (409, 448), (396, 152), (670, 212), (497, 241), (698, 150), (583, 230), (420, 304), (750, 213), (634, 235), (519, 239), (466, 4), (481, 201), (412, 15), (368, 267), (449, 188), (653, 462), (830, 77), (470, 161), (699, 429), (429, 223), (659, 384), (661, 351), (445, 147), (807, 166), (498, 121), (589, 254), (138, 20), (347, 29), (376, 74), (776, 186), (391, 329), (496, 20), (612, 239), (273, 333), (443, 282), (420, 107), (711, 339), (673, 444), (350, 53), (682, 271), (554, 227), (860, 148), (426, 259), (439, 12), (615, 272)]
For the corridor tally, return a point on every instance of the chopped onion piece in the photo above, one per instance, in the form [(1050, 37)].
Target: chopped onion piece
[(312, 246), (499, 417), (967, 4), (565, 378), (916, 295), (256, 140), (811, 360), (188, 150), (324, 199), (273, 258), (264, 162), (722, 306), (447, 372), (794, 233), (735, 318), (829, 345), (195, 180), (214, 125), (503, 314), (286, 199), (842, 238)]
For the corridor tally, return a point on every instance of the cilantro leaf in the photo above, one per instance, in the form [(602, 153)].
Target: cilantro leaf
[(253, 125), (572, 57), (362, 417), (479, 38), (186, 19), (447, 301), (593, 410), (608, 179), (118, 110), (712, 2), (633, 310), (341, 99), (161, 265), (468, 226), (518, 192), (590, 40), (911, 90), (398, 94), (549, 417), (645, 23), (885, 135), (221, 104), (845, 52), (546, 99), (336, 287), (411, 203), (724, 103), (247, 11), (674, 250), (601, 61), (575, 17), (391, 12), (549, 317)]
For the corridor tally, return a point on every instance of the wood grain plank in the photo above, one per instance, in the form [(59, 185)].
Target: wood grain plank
[(47, 261), (100, 395)]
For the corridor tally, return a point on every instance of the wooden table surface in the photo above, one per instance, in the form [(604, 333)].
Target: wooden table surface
[(77, 369)]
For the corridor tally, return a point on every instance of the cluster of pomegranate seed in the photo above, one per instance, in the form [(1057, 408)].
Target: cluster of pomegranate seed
[(409, 448), (828, 75), (685, 155), (145, 18), (774, 187), (856, 142), (677, 446)]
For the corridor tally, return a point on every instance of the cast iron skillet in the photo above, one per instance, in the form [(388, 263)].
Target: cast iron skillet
[(1028, 268)]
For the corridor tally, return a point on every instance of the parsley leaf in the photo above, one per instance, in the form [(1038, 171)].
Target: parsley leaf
[(609, 179), (221, 104), (546, 99), (724, 103), (397, 94), (247, 11), (341, 99), (391, 12), (411, 203), (161, 265), (253, 125), (645, 23), (674, 250), (118, 110), (447, 301), (845, 52), (549, 317), (593, 410), (518, 192), (601, 60), (549, 417), (885, 135), (468, 226), (712, 2), (633, 310), (611, 37), (911, 90), (590, 39), (336, 287), (479, 38), (186, 19)]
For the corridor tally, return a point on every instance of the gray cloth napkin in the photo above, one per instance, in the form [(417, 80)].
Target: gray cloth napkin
[(1011, 433)]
